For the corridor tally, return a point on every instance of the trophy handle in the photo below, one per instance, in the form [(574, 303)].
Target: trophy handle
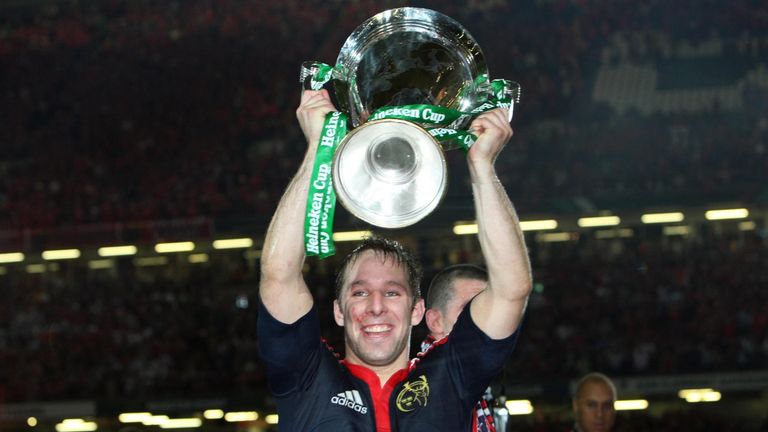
[(513, 90), (510, 90), (314, 75), (307, 71)]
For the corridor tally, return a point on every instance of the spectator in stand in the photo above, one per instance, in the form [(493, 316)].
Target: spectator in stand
[(592, 404), (187, 79)]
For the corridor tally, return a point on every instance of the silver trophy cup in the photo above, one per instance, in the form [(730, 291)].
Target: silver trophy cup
[(392, 173)]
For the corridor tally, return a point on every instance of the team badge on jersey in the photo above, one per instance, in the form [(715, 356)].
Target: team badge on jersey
[(413, 395)]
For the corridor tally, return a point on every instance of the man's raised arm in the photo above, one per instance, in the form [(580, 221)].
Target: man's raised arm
[(282, 287), (498, 310)]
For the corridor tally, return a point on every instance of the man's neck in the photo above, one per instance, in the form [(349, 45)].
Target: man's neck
[(384, 372)]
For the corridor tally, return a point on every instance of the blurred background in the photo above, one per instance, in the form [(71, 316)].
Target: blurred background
[(164, 127)]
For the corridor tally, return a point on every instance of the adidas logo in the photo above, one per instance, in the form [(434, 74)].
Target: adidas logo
[(350, 399)]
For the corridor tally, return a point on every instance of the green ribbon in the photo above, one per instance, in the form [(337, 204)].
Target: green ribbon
[(500, 97), (322, 75), (321, 200)]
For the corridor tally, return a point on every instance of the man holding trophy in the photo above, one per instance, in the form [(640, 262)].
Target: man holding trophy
[(378, 300)]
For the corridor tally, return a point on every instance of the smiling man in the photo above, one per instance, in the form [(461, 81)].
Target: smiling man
[(378, 301)]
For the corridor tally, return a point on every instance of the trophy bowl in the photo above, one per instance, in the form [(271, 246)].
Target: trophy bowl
[(408, 56)]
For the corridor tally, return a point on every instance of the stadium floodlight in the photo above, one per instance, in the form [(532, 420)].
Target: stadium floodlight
[(11, 257), (213, 414), (150, 261), (699, 395), (721, 214), (243, 416), (181, 423), (175, 247), (614, 233), (133, 417), (465, 228), (76, 425), (252, 254), (31, 421), (198, 258), (556, 237), (155, 420), (630, 404), (61, 254), (101, 264), (598, 221), (112, 251), (519, 407), (677, 230), (747, 226), (712, 396), (538, 225), (654, 218), (36, 268), (233, 243), (343, 236), (272, 419)]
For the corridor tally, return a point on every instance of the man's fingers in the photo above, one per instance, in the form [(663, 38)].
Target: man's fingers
[(314, 106), (314, 99), (497, 117), (492, 121), (312, 95), (314, 102)]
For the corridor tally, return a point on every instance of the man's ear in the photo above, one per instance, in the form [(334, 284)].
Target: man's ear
[(338, 315), (434, 321), (418, 312)]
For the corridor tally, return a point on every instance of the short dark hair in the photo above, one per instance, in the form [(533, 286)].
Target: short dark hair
[(387, 249), (441, 288)]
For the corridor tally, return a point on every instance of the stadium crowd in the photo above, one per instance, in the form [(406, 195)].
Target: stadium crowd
[(124, 111), (629, 307), (117, 111), (696, 421)]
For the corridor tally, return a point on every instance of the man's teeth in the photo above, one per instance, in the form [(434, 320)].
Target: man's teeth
[(377, 329)]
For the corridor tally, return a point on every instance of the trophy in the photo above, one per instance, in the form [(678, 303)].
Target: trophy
[(410, 81)]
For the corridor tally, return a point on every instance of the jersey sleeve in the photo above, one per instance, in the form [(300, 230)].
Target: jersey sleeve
[(476, 358), (290, 352)]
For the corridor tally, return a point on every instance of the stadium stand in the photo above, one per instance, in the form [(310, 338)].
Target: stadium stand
[(150, 120)]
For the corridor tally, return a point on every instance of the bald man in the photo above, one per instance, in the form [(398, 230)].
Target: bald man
[(593, 403), (449, 292)]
